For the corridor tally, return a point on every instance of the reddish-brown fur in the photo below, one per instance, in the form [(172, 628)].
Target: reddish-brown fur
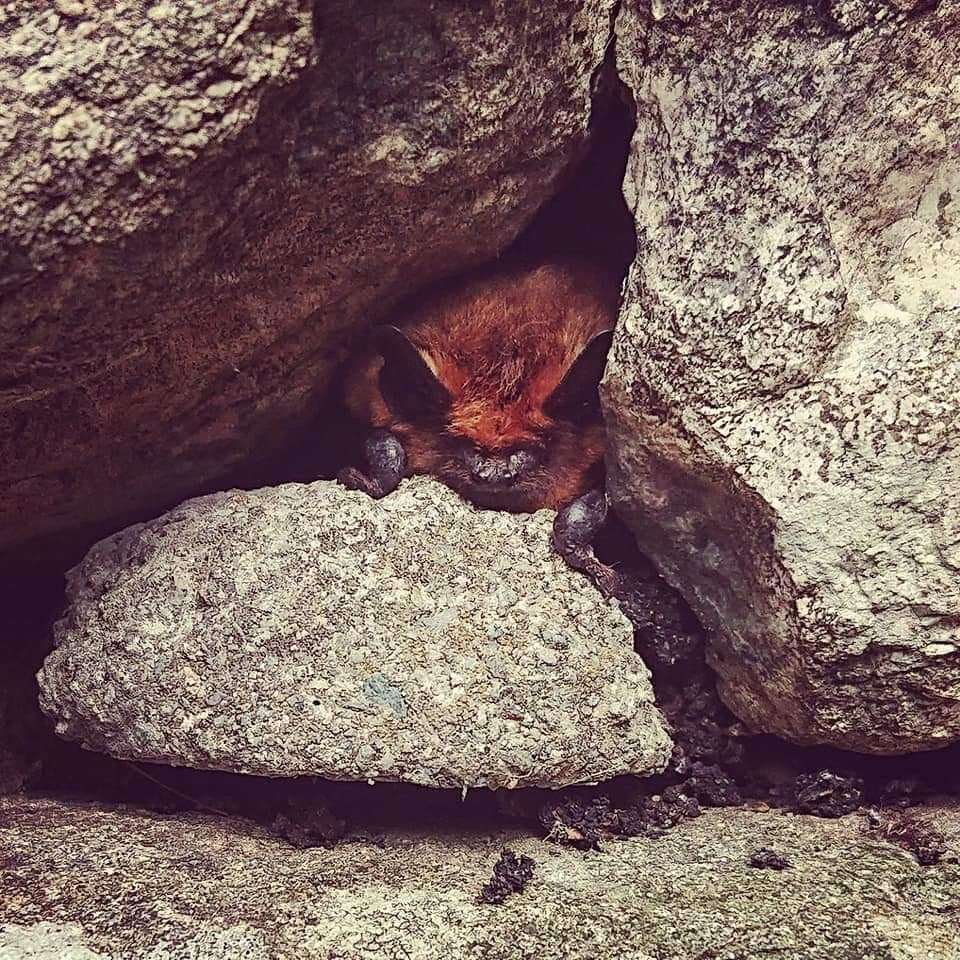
[(501, 344)]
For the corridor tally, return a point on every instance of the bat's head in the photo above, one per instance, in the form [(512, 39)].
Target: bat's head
[(514, 425)]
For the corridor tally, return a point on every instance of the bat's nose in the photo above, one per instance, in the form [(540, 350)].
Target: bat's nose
[(491, 470), (501, 469)]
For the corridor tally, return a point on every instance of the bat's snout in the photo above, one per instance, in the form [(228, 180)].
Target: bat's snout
[(502, 469)]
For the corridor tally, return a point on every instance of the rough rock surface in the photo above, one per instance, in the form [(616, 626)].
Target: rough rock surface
[(785, 387), (200, 196), (130, 885), (44, 941), (308, 629)]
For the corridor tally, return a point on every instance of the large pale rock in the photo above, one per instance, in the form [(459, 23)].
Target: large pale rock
[(784, 392), (308, 629), (219, 889), (44, 941), (200, 197)]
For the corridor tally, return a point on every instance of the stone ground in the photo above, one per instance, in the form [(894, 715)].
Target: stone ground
[(85, 882)]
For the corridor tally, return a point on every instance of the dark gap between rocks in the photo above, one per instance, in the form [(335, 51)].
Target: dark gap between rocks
[(716, 762)]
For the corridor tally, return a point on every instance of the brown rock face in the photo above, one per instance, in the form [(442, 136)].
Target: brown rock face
[(784, 392), (200, 197)]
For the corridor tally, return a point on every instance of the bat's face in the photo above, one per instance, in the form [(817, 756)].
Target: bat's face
[(520, 478), (511, 478), (499, 450)]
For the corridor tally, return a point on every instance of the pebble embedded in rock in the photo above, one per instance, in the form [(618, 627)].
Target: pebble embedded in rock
[(828, 794), (766, 859), (307, 629), (511, 874)]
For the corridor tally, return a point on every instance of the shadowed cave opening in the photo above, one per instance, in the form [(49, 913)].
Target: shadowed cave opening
[(716, 761)]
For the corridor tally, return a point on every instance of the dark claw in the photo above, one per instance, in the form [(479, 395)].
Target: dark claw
[(386, 459), (578, 523), (386, 463), (574, 530), (655, 611), (354, 479)]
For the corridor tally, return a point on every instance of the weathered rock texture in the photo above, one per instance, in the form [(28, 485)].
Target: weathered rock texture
[(198, 197), (123, 884), (784, 392), (310, 629), (44, 941)]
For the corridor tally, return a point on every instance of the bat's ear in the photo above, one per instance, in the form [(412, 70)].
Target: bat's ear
[(409, 387), (577, 395)]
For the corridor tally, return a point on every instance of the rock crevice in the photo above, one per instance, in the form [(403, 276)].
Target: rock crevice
[(203, 199)]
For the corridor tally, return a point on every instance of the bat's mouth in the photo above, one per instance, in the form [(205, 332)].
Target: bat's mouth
[(495, 480), (496, 496)]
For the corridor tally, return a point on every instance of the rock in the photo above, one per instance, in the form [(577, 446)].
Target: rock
[(308, 629), (828, 794), (784, 388), (213, 884), (915, 830), (587, 823), (44, 941), (199, 200), (766, 859), (511, 874)]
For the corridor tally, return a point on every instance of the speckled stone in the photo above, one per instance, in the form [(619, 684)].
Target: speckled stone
[(44, 941), (136, 886), (307, 629), (783, 395)]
